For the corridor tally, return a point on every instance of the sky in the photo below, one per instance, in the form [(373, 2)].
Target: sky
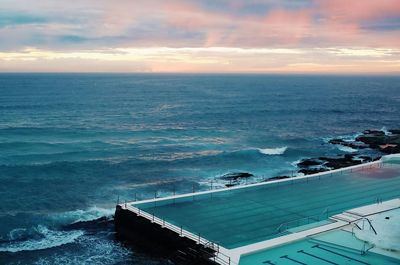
[(201, 36)]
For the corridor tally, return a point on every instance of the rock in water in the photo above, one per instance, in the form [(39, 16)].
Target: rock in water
[(308, 163), (236, 175)]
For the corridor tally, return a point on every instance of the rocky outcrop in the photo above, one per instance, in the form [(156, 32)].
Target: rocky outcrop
[(388, 143), (353, 145), (277, 178), (309, 171), (340, 162), (309, 163), (236, 176)]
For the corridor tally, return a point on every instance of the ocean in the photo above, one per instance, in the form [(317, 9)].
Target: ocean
[(72, 145)]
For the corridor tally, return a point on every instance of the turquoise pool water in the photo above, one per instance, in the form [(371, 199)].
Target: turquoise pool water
[(240, 217), (337, 247)]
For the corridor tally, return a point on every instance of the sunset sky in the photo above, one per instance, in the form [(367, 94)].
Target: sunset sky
[(218, 36)]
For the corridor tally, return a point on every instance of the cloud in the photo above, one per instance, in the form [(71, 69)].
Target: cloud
[(243, 35), (205, 59)]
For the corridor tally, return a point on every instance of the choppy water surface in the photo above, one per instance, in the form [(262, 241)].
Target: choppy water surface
[(71, 144)]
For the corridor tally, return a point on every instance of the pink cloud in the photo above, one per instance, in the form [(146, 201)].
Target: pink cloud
[(357, 11), (224, 29)]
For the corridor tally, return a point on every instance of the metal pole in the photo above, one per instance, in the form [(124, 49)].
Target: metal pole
[(174, 191)]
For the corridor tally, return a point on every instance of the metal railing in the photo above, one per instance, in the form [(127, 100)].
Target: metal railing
[(218, 256), (261, 180), (222, 258), (303, 221)]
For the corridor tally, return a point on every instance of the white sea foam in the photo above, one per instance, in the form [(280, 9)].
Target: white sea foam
[(90, 214), (92, 251), (294, 163), (383, 129), (273, 151), (17, 233), (350, 138), (346, 149), (48, 239)]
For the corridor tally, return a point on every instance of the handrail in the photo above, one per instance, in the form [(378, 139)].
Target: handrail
[(369, 222), (220, 257), (373, 229), (362, 166), (176, 229), (308, 218)]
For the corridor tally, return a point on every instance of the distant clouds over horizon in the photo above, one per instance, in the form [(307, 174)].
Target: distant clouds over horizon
[(258, 36)]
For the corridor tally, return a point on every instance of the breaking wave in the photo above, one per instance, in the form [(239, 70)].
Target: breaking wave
[(76, 216), (384, 129), (346, 149), (273, 151), (44, 239)]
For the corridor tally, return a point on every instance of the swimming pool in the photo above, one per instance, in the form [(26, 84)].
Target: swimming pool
[(337, 247), (238, 217)]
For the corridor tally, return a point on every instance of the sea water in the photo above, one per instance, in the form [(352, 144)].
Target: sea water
[(71, 145)]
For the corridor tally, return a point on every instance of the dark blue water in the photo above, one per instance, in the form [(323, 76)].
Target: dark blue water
[(71, 144)]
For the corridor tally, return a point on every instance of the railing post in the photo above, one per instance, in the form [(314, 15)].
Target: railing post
[(174, 192), (135, 196), (118, 200), (181, 230), (199, 238)]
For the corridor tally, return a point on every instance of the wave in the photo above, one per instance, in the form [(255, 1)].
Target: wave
[(273, 151), (294, 163), (384, 129), (350, 137), (46, 238), (346, 149), (76, 216)]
